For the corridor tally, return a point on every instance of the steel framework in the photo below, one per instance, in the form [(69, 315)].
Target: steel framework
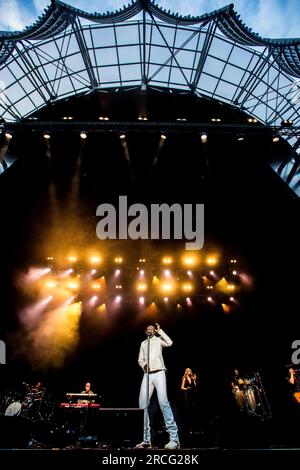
[(68, 51)]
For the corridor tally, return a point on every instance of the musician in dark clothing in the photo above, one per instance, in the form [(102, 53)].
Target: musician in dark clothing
[(294, 380), (189, 386)]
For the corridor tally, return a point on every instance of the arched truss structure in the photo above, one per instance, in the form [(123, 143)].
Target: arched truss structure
[(68, 51)]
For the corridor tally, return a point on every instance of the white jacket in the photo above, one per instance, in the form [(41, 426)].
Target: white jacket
[(156, 361)]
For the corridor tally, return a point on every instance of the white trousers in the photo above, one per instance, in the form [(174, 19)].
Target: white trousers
[(157, 380)]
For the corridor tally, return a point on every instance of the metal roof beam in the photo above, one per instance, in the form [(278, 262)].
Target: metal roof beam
[(294, 169), (33, 74), (289, 157), (206, 46), (79, 34), (254, 78)]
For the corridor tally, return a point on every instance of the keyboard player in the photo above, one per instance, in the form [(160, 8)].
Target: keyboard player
[(87, 391)]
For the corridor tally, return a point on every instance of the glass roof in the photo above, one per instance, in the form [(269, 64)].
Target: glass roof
[(68, 51)]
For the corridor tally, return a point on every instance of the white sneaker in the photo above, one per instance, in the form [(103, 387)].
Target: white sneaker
[(172, 445), (143, 445)]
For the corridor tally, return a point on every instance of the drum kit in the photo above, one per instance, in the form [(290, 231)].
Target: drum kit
[(33, 405), (250, 396)]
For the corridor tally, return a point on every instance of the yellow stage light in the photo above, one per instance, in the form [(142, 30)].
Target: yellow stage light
[(95, 259), (167, 260), (187, 287), (167, 287), (118, 260), (141, 287), (72, 259), (190, 260), (51, 284), (73, 285), (231, 287), (226, 308), (211, 260), (96, 286)]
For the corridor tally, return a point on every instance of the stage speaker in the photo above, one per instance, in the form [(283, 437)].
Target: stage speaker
[(15, 432), (123, 425)]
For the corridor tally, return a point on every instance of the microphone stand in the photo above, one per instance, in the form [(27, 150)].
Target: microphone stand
[(148, 438)]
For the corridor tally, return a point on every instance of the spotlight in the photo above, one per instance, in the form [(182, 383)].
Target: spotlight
[(240, 137), (118, 260), (96, 286), (51, 284), (68, 118), (72, 259), (142, 118), (94, 299), (93, 271), (231, 287), (167, 260), (216, 120), (142, 273), (103, 118), (117, 272), (189, 260), (167, 287), (167, 273), (142, 260), (211, 260), (8, 136), (209, 299), (46, 136), (122, 136), (231, 299), (142, 300), (83, 135), (188, 301), (181, 119), (233, 261), (95, 259), (118, 286), (50, 258), (118, 299), (163, 136), (203, 137), (73, 285), (187, 287), (286, 123), (189, 273), (212, 273), (275, 139), (166, 299), (234, 273), (252, 120), (142, 287)]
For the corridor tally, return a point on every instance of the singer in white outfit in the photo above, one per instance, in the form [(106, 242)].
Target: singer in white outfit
[(157, 340)]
